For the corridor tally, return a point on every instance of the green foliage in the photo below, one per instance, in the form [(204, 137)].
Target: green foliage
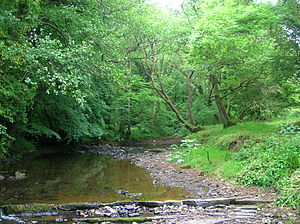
[(265, 154), (186, 147), (290, 190), (242, 45), (272, 160), (61, 118), (5, 141), (20, 148), (79, 71), (59, 70), (233, 138)]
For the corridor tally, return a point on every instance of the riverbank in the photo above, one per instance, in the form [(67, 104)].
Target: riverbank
[(201, 185)]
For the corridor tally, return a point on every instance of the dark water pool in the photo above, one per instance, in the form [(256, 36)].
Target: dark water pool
[(65, 178)]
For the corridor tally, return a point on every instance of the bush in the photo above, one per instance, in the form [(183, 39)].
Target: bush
[(272, 160)]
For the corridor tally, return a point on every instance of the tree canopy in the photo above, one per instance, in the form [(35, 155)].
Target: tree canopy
[(90, 70)]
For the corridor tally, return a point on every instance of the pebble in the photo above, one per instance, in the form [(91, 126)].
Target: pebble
[(216, 214), (129, 207), (121, 192), (266, 221), (60, 220), (110, 210), (99, 213), (242, 214), (133, 214)]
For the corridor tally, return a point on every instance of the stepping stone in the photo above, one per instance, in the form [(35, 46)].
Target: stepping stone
[(244, 217), (151, 203), (248, 207), (133, 215), (250, 202), (244, 210), (242, 214), (216, 214), (205, 221)]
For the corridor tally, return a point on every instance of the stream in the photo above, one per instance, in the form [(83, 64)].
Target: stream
[(73, 177)]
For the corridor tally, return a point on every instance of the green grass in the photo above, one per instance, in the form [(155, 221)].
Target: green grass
[(221, 144), (220, 162), (220, 138), (198, 158), (251, 153)]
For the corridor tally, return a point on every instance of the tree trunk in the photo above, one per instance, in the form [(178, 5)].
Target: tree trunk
[(192, 128), (190, 91), (222, 111)]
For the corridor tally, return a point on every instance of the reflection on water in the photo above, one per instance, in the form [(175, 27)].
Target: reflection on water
[(65, 178)]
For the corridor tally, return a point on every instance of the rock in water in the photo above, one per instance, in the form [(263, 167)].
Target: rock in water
[(59, 220), (129, 207), (2, 177), (19, 175), (121, 192), (123, 212), (110, 212), (133, 195)]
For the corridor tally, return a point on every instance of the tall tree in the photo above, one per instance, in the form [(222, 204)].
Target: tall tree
[(235, 47)]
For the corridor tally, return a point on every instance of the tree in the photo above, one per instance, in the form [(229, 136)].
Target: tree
[(234, 47), (159, 52)]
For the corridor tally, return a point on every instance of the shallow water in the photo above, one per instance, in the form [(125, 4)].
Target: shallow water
[(66, 178)]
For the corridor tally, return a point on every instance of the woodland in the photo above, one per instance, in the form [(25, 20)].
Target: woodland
[(88, 71)]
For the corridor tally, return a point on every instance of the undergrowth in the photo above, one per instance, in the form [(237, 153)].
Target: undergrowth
[(265, 154)]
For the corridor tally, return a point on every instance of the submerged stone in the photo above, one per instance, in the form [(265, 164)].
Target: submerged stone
[(61, 220), (19, 175), (123, 212), (121, 192)]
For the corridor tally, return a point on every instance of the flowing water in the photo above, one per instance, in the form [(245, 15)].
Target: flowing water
[(66, 178)]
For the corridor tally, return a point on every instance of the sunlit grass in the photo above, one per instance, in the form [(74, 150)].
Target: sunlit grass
[(199, 158), (221, 145)]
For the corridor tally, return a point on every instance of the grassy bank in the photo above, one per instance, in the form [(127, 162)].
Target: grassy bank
[(251, 153)]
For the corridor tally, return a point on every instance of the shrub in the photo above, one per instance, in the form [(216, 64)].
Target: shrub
[(275, 159)]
